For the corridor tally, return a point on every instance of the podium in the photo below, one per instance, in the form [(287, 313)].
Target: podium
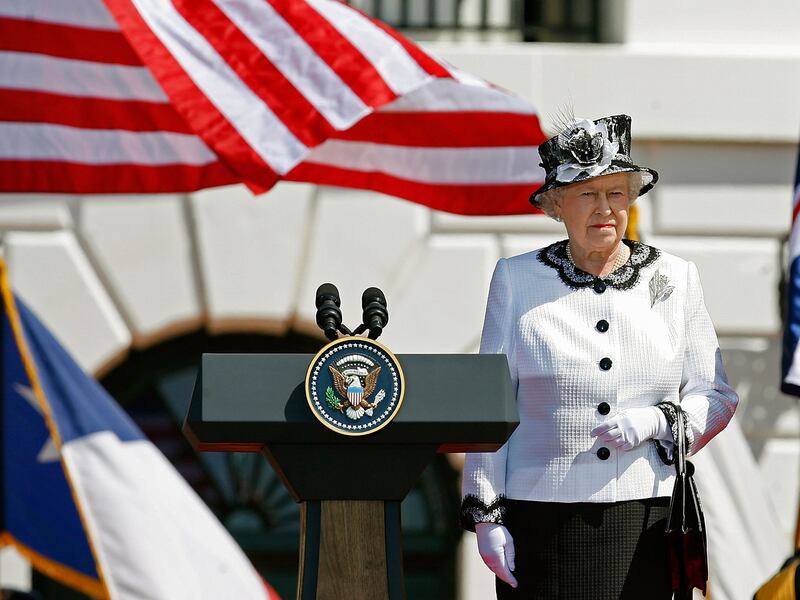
[(350, 488)]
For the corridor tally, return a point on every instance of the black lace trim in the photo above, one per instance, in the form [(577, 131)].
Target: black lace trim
[(669, 410), (624, 278), (474, 511)]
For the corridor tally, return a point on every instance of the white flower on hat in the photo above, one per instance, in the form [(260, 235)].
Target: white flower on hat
[(589, 145)]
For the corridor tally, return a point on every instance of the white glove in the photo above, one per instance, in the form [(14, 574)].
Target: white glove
[(631, 427), (496, 548)]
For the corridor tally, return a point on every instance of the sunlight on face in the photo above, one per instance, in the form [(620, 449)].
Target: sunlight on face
[(595, 213)]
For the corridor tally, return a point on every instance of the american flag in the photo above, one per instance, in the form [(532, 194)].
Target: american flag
[(139, 96), (791, 326)]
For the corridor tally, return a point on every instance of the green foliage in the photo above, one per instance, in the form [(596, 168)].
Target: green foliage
[(332, 400)]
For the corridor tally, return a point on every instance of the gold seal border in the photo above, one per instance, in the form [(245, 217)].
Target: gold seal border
[(347, 340)]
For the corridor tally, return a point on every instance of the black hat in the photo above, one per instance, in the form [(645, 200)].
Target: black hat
[(587, 149)]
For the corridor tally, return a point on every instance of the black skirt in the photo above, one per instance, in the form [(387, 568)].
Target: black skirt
[(588, 551)]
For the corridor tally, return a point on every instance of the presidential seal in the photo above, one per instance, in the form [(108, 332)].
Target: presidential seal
[(354, 386)]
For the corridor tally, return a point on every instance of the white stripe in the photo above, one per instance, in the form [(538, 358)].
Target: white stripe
[(397, 68), (35, 141), (24, 71), (75, 478), (464, 77), (794, 242), (458, 74), (254, 121), (446, 95), (496, 165), (297, 61), (793, 374), (794, 237), (154, 537), (90, 14)]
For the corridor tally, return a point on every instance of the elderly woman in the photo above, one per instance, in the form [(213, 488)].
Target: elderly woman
[(604, 336)]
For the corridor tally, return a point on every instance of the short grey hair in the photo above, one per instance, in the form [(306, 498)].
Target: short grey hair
[(549, 199)]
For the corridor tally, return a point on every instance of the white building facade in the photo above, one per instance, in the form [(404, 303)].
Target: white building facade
[(714, 92)]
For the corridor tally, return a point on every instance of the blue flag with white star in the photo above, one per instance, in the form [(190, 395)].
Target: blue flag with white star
[(38, 511), (87, 498)]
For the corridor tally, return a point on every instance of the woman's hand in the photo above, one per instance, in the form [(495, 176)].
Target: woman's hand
[(496, 548), (631, 427)]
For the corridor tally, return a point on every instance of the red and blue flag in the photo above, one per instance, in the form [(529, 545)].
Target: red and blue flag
[(791, 331), (86, 498)]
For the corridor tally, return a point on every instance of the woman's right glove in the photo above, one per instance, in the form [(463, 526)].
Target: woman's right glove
[(496, 548)]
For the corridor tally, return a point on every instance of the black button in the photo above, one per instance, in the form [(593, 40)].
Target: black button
[(603, 408), (605, 363), (602, 326), (599, 286), (603, 453)]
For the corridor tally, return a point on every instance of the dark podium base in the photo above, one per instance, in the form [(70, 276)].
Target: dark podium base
[(350, 549), (350, 487)]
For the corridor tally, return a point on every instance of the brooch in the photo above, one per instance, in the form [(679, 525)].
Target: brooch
[(660, 289)]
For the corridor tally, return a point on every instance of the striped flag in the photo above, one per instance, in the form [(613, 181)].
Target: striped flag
[(80, 113), (178, 95), (791, 326)]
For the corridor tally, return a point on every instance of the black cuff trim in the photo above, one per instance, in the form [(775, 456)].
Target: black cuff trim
[(670, 411), (474, 511)]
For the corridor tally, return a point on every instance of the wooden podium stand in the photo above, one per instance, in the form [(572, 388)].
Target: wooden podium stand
[(350, 488)]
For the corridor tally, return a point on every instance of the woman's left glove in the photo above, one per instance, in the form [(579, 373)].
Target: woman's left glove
[(631, 427)]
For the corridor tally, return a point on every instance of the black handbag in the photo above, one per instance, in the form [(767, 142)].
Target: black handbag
[(686, 528)]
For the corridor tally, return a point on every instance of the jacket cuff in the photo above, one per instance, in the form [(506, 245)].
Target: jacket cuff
[(670, 412), (473, 511)]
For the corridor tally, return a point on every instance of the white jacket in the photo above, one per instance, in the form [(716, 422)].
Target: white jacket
[(659, 345)]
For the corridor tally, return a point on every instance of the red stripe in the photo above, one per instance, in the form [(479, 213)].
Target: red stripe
[(795, 212), (428, 64), (346, 60), (460, 199), (90, 113), (256, 71), (271, 593), (447, 129), (198, 111), (78, 43), (69, 178)]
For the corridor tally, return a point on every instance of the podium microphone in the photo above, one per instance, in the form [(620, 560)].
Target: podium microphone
[(329, 315), (376, 316)]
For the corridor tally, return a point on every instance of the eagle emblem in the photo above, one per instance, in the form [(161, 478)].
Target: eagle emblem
[(356, 390), (354, 386)]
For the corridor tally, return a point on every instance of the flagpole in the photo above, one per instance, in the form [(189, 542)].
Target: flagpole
[(797, 529), (632, 230)]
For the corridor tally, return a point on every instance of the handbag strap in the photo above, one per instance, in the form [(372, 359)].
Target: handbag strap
[(680, 441), (677, 421)]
